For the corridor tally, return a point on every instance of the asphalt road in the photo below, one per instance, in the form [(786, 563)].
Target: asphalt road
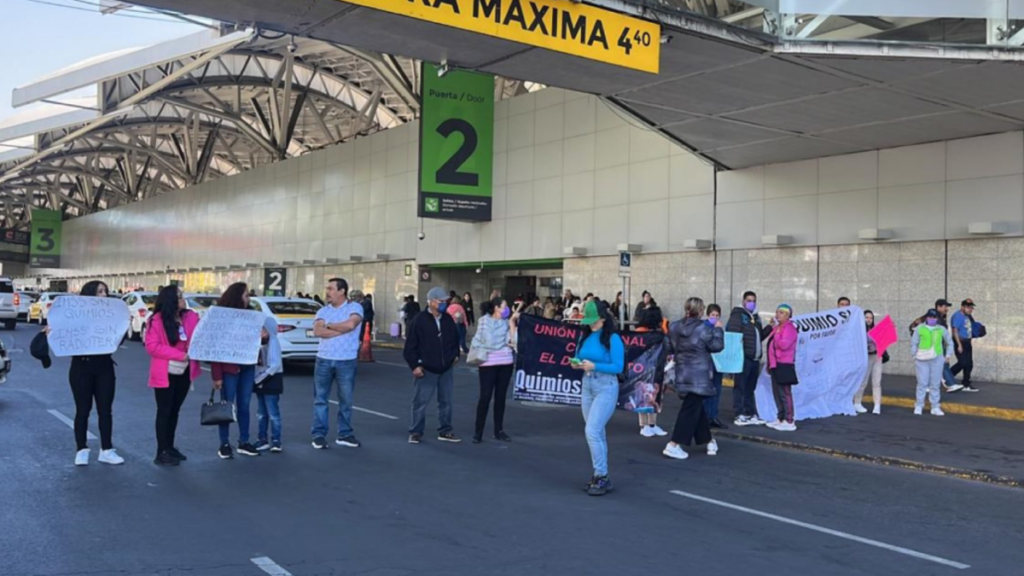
[(390, 508)]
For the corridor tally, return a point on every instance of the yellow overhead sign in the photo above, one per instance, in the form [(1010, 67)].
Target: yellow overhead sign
[(560, 25)]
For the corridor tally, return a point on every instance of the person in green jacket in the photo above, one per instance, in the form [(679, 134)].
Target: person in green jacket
[(931, 348)]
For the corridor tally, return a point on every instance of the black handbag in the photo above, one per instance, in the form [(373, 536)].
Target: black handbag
[(785, 375), (213, 413)]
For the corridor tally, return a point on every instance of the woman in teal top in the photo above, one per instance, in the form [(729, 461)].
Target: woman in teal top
[(602, 357)]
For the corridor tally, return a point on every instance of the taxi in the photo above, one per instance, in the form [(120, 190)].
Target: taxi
[(139, 305), (198, 303), (295, 318), (40, 309)]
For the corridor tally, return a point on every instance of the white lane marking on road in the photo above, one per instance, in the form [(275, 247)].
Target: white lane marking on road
[(823, 530), (368, 411), (71, 423), (206, 369), (269, 566)]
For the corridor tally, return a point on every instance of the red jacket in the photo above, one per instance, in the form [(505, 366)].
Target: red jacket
[(782, 348), (161, 352)]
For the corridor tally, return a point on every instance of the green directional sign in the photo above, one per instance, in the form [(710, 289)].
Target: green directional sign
[(456, 145), (44, 250)]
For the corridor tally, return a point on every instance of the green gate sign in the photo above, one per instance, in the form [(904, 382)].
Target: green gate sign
[(44, 251), (456, 145)]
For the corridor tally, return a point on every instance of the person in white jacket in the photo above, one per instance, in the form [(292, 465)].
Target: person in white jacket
[(931, 347)]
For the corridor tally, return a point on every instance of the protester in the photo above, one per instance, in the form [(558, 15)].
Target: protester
[(269, 387), (874, 374), (949, 383), (235, 382), (616, 308), (409, 311), (962, 326), (692, 341), (550, 312), (645, 300), (318, 299), (567, 299), (458, 314), (493, 336), (368, 316), (843, 302), (171, 373), (92, 378), (930, 347), (714, 313), (467, 303), (535, 308), (337, 326), (649, 318), (745, 320), (650, 322), (431, 351), (601, 357), (782, 367)]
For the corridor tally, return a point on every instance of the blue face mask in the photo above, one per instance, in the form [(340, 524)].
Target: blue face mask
[(711, 322), (442, 307), (505, 313)]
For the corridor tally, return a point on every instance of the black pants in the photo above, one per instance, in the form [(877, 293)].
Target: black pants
[(494, 381), (92, 377), (744, 384), (692, 422), (168, 404), (965, 361)]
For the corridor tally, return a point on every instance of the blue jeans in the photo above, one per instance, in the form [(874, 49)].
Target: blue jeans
[(711, 402), (268, 411), (600, 393), (461, 328), (444, 383), (238, 389), (947, 375), (324, 375)]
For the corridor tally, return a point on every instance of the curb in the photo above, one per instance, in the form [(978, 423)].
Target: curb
[(961, 473)]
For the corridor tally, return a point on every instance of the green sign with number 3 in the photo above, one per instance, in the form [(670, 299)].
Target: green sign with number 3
[(44, 251), (456, 145)]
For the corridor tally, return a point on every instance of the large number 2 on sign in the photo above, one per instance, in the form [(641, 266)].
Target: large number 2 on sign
[(275, 281), (46, 239), (449, 173)]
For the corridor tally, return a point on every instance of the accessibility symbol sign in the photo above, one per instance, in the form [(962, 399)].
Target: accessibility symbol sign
[(625, 263)]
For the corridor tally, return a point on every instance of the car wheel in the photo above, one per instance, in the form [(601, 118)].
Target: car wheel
[(143, 332), (10, 324)]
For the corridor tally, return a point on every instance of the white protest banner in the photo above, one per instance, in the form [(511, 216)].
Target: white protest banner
[(87, 325), (831, 362), (228, 335)]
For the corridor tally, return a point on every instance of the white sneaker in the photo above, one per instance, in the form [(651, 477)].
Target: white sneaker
[(773, 424), (786, 427), (859, 408), (712, 447), (938, 412), (918, 411), (877, 410), (646, 432), (657, 430), (742, 421), (110, 457), (954, 388), (82, 457), (755, 421), (676, 452)]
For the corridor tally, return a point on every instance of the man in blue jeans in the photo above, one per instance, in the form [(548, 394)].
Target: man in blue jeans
[(431, 351), (745, 320), (336, 326)]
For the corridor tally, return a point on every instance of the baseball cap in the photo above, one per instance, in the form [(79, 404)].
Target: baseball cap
[(593, 312), (942, 302), (933, 313), (968, 302), (437, 293)]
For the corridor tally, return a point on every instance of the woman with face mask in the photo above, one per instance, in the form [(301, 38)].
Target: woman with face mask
[(493, 336), (931, 347), (711, 404), (874, 374)]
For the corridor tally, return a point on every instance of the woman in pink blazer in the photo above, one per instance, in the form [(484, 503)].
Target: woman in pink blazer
[(170, 371), (782, 366)]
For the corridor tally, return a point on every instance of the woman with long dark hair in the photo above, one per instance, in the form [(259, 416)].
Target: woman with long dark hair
[(601, 356), (467, 302), (171, 373), (235, 382), (92, 378), (494, 337)]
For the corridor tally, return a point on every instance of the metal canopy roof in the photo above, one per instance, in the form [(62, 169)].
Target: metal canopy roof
[(736, 97)]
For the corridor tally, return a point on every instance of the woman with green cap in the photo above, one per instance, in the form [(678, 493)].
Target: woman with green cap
[(601, 355)]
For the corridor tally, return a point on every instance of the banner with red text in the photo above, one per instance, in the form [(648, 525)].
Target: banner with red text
[(543, 372)]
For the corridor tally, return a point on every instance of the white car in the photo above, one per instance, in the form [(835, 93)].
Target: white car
[(40, 309), (23, 301), (198, 303), (139, 305), (295, 318)]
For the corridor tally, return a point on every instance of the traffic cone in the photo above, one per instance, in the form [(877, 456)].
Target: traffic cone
[(365, 349)]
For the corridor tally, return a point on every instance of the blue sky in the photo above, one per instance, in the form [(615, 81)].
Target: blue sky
[(36, 39)]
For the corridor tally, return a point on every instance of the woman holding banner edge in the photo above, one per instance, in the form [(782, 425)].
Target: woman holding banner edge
[(874, 373), (171, 373), (235, 382)]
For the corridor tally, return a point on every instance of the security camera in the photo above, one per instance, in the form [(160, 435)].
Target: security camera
[(479, 270), (443, 69), (421, 236), (292, 47)]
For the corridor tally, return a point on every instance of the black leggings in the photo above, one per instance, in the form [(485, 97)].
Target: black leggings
[(168, 404), (92, 377), (494, 381), (692, 423)]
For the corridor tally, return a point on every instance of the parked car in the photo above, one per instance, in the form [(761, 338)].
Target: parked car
[(23, 301), (8, 309), (295, 318), (40, 309), (198, 303), (139, 305), (5, 363)]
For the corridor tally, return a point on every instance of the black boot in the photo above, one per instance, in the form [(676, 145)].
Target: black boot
[(165, 459)]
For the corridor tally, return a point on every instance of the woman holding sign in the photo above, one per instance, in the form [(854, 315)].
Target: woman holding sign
[(235, 382), (171, 373), (92, 378), (602, 357), (493, 338)]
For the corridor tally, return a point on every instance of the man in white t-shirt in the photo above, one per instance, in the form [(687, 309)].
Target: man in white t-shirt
[(337, 326)]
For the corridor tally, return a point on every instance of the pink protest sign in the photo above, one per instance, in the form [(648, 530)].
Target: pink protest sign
[(884, 334)]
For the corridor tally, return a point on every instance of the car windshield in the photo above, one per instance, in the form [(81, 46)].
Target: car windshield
[(6, 287), (149, 298), (202, 301), (289, 308)]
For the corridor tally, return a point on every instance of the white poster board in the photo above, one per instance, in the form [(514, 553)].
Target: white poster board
[(87, 325), (228, 335), (831, 362)]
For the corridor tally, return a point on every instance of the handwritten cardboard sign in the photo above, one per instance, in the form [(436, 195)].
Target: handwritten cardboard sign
[(228, 335), (87, 325)]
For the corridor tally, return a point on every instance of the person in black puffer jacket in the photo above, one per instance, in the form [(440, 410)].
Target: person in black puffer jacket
[(692, 341)]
